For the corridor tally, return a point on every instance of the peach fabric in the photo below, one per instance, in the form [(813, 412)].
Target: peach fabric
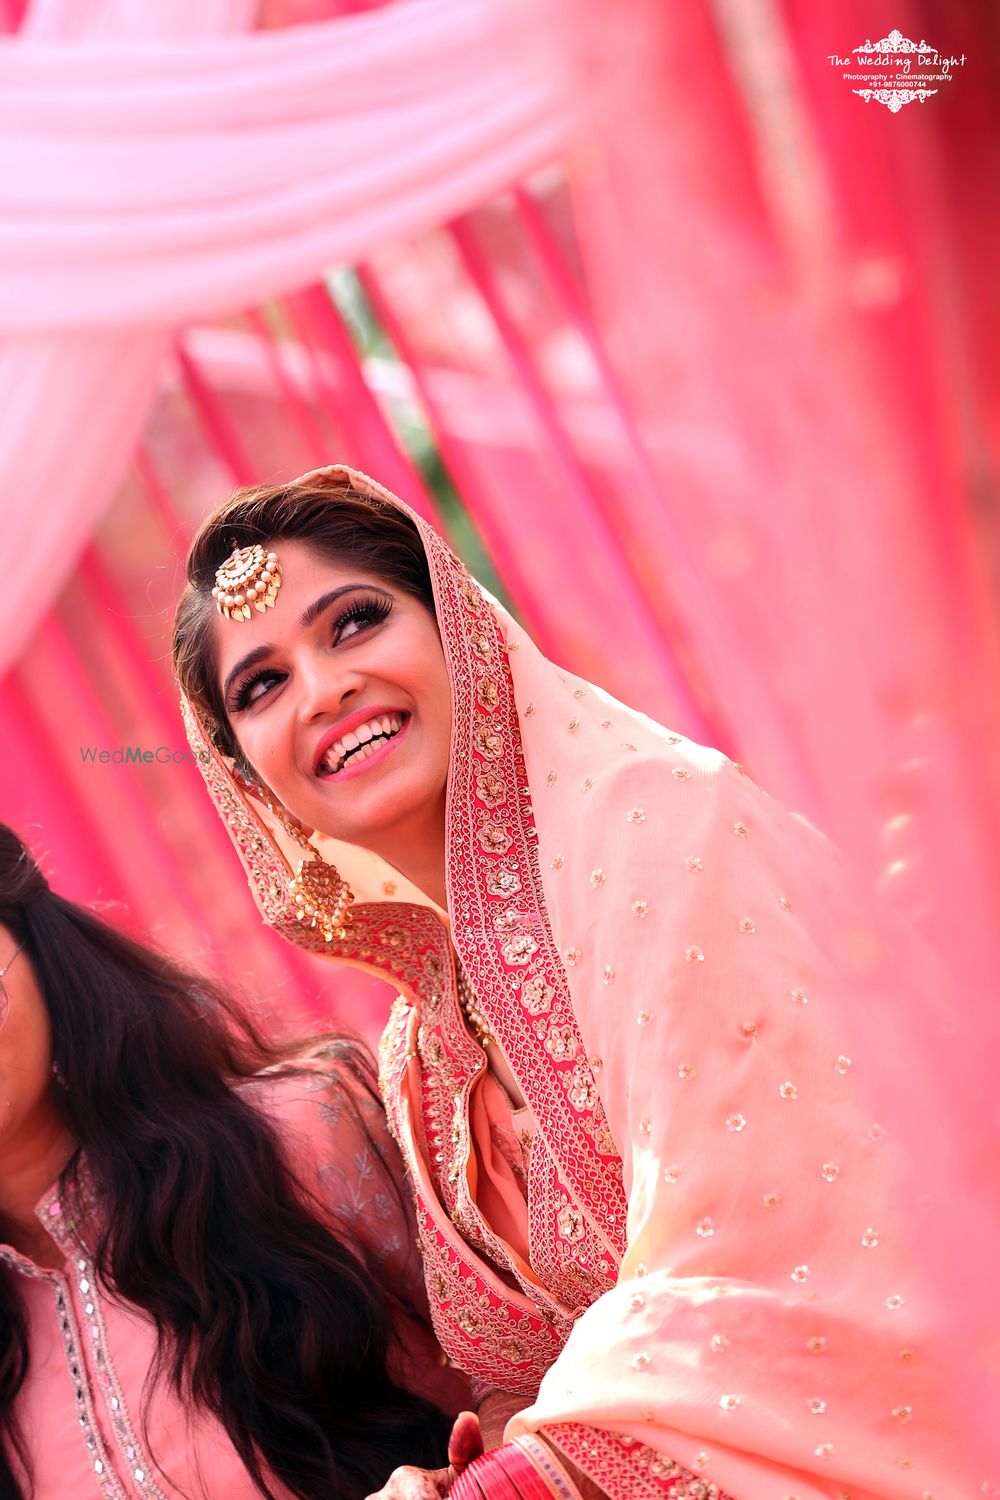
[(747, 1012), (702, 1004), (501, 1140), (97, 1446)]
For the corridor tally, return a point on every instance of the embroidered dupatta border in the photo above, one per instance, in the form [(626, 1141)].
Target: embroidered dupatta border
[(500, 926)]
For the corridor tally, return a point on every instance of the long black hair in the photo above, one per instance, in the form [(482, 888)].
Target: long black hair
[(263, 1316)]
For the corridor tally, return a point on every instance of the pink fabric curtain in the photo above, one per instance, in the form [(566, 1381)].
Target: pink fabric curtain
[(718, 423), (157, 166)]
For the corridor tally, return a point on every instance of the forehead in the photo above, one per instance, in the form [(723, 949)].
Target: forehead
[(306, 575)]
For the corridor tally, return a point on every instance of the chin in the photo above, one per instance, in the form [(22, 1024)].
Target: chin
[(369, 820)]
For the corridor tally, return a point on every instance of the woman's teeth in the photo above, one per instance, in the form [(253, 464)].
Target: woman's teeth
[(360, 743)]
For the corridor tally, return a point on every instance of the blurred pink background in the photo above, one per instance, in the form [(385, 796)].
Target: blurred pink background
[(691, 351)]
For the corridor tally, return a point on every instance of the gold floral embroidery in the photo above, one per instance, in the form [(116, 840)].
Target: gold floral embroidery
[(570, 1221), (487, 693), (520, 949), (510, 920), (536, 994), (495, 838), (490, 789), (583, 1091), (488, 741), (503, 882), (562, 1042)]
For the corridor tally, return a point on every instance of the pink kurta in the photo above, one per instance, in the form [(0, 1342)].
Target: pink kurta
[(81, 1408)]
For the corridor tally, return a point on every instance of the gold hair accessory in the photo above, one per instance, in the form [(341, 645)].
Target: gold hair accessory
[(248, 576), (321, 895)]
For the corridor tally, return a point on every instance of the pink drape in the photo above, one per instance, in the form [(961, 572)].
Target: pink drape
[(152, 173), (760, 406)]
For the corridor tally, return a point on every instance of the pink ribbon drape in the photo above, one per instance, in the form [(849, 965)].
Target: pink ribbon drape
[(147, 180)]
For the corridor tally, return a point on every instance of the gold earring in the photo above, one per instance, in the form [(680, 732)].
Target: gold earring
[(321, 895)]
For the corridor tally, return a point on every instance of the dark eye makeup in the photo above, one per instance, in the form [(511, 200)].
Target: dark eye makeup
[(364, 611)]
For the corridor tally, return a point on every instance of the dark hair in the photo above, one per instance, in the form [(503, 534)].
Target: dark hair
[(263, 1316), (337, 521)]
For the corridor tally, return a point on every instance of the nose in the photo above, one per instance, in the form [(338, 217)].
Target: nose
[(325, 686)]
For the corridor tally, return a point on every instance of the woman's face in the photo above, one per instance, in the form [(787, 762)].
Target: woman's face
[(25, 1044), (339, 699)]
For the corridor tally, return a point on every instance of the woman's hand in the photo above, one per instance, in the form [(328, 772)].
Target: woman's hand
[(410, 1483)]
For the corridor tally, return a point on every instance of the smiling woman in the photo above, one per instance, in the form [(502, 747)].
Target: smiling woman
[(639, 1037), (342, 711)]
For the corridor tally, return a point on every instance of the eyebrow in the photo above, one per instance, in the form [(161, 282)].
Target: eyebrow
[(308, 617)]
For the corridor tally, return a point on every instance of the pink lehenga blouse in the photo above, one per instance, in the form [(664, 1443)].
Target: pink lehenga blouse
[(83, 1409), (702, 1280)]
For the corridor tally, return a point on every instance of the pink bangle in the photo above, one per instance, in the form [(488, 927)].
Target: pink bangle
[(521, 1470), (492, 1479), (485, 1478)]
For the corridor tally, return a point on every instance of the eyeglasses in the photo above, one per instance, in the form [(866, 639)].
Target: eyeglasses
[(4, 1001)]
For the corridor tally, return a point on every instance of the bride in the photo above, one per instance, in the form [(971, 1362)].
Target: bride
[(661, 1230)]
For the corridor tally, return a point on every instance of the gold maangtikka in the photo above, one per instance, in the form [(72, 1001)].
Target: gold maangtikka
[(248, 577)]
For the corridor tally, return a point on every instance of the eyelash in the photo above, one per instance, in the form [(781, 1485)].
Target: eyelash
[(372, 608)]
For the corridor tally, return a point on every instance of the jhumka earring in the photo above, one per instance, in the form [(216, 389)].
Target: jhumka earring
[(321, 895), (249, 576)]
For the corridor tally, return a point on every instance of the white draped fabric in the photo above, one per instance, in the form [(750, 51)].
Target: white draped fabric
[(153, 173)]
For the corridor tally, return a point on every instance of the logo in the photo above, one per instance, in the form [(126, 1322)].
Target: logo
[(896, 70), (138, 755)]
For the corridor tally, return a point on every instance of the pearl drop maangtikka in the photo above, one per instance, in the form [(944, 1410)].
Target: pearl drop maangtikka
[(248, 577)]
